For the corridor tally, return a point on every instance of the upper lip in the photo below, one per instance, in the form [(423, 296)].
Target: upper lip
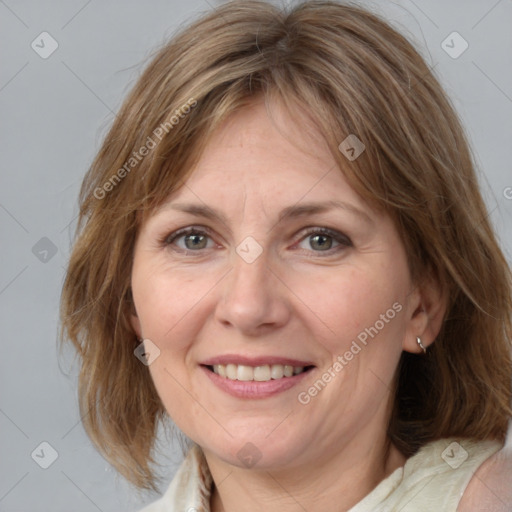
[(254, 361)]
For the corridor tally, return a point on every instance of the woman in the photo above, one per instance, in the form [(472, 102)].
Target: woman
[(283, 248)]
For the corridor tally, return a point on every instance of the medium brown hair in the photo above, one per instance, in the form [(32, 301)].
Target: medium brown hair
[(351, 73)]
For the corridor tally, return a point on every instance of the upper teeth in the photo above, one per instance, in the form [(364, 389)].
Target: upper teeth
[(257, 373)]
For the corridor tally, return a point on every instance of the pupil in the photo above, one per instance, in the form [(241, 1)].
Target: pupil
[(195, 241), (322, 242)]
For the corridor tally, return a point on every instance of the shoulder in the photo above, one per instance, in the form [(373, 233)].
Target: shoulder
[(490, 488)]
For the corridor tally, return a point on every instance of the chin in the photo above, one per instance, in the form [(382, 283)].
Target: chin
[(257, 449)]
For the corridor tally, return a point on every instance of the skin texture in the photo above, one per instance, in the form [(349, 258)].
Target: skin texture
[(295, 300)]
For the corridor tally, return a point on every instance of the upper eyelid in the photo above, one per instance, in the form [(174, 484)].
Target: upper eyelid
[(180, 232)]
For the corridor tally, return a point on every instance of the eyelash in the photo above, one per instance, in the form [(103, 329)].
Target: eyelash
[(338, 237)]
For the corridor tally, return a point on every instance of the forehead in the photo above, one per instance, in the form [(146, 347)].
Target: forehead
[(273, 157)]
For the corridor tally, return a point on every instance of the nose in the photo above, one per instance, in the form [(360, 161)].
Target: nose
[(253, 298)]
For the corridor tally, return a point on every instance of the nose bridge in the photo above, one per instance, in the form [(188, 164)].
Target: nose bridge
[(251, 296), (250, 274), (250, 259)]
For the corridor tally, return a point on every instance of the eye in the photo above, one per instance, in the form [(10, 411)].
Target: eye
[(318, 240), (324, 240), (190, 239)]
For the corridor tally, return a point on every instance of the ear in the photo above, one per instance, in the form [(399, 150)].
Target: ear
[(426, 309)]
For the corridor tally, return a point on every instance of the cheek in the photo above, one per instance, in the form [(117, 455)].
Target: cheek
[(354, 304), (166, 302)]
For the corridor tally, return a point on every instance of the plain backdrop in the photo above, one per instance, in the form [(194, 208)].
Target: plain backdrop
[(56, 108)]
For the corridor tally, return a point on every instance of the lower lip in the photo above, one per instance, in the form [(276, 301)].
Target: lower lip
[(254, 389)]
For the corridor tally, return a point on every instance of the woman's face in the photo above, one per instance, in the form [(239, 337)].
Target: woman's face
[(265, 264)]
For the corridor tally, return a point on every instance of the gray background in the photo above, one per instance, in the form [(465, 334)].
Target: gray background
[(54, 114)]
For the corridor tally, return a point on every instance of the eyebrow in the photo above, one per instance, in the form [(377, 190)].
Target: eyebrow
[(290, 212), (313, 208)]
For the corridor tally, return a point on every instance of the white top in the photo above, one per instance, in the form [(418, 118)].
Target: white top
[(434, 479)]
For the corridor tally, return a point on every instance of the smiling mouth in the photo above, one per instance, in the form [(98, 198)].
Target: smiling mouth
[(263, 373)]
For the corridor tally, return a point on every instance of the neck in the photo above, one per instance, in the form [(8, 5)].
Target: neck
[(334, 483)]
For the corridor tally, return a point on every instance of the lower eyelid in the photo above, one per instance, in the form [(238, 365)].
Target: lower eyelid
[(340, 245)]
